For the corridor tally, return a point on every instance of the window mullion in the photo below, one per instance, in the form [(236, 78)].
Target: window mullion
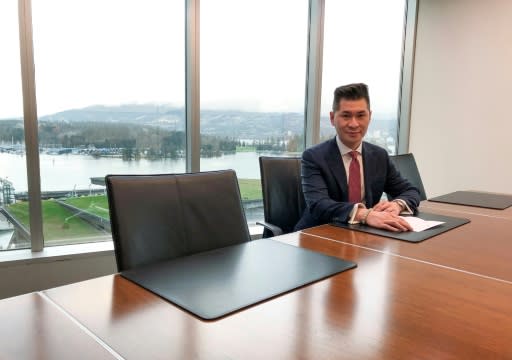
[(404, 109), (30, 122), (314, 72), (192, 101)]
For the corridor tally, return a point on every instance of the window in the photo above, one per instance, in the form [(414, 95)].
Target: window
[(110, 79), (14, 214), (363, 43), (110, 99), (253, 67)]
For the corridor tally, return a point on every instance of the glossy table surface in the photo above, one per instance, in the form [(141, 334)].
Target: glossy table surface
[(388, 307), (448, 297), (32, 327), (482, 247), (470, 210)]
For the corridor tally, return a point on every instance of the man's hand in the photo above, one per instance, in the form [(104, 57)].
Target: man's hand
[(392, 207), (387, 220)]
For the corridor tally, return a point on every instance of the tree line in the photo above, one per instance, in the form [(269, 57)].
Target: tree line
[(133, 141)]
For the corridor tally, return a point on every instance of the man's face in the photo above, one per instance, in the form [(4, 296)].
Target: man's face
[(351, 121)]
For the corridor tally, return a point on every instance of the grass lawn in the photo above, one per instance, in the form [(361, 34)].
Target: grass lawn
[(95, 204), (250, 189), (59, 223), (20, 212), (245, 148)]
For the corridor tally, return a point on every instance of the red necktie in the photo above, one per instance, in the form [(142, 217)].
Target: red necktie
[(354, 179)]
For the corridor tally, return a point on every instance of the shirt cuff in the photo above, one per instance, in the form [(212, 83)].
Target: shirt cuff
[(353, 213), (405, 208)]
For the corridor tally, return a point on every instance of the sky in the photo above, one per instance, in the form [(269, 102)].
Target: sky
[(253, 53)]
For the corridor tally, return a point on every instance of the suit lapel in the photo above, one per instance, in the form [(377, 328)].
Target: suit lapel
[(333, 159), (369, 164)]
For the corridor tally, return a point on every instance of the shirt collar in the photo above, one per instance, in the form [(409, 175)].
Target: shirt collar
[(344, 150)]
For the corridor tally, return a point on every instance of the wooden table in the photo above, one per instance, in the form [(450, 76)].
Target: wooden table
[(389, 307), (448, 297), (469, 210), (32, 327), (482, 247)]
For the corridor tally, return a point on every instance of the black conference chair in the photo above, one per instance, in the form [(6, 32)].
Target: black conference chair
[(283, 200), (161, 217), (406, 164)]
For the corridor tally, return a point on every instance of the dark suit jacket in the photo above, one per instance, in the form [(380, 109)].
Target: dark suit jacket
[(324, 183)]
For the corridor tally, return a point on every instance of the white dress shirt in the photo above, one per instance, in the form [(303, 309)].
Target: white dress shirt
[(347, 158)]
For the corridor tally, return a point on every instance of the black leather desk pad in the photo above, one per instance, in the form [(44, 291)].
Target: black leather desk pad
[(411, 236), (474, 198), (215, 283)]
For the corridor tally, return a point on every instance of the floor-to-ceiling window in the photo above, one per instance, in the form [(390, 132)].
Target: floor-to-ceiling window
[(110, 99), (110, 85), (253, 67), (363, 42), (14, 216)]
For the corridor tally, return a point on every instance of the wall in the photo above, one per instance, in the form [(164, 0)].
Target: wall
[(22, 277), (461, 127)]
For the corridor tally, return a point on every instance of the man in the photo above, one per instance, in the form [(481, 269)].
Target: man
[(343, 179)]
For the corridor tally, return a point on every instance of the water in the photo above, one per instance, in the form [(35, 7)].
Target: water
[(69, 171)]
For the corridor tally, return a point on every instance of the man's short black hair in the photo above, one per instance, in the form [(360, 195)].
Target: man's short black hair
[(350, 92)]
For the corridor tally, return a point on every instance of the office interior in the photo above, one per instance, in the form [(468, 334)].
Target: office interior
[(458, 128)]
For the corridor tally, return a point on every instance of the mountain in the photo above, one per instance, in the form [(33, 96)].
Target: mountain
[(226, 123)]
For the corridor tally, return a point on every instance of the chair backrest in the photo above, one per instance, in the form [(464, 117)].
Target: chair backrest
[(407, 167), (161, 217), (283, 200)]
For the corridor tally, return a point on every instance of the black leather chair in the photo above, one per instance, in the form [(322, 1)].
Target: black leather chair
[(283, 200), (161, 217), (406, 164)]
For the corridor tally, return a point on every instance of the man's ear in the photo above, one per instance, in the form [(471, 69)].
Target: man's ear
[(331, 116)]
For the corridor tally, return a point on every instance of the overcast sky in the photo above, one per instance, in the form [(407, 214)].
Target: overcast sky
[(253, 53)]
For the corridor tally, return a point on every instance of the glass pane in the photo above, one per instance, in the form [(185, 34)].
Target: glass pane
[(253, 67), (110, 96), (14, 217), (363, 43)]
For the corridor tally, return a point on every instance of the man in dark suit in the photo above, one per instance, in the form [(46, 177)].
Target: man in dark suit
[(329, 168)]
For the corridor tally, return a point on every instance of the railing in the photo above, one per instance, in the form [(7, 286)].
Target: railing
[(93, 219), (22, 234)]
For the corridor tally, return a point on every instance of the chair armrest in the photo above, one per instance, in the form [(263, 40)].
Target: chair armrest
[(275, 230)]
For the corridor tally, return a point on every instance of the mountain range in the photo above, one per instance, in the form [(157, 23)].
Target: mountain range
[(231, 123)]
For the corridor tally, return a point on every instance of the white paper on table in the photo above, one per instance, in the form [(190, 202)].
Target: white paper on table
[(419, 224)]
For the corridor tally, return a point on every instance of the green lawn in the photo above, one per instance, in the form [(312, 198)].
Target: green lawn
[(250, 189), (20, 212), (59, 223), (95, 204), (245, 148)]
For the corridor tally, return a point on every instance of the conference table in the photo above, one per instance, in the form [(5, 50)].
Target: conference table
[(470, 210), (448, 297), (482, 247)]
